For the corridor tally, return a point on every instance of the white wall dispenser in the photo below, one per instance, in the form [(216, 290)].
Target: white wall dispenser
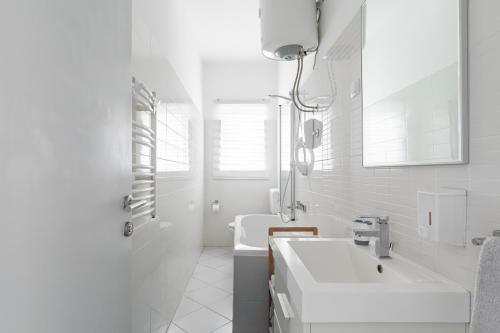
[(442, 216)]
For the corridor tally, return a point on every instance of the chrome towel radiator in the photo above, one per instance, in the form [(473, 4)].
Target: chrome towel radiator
[(142, 200)]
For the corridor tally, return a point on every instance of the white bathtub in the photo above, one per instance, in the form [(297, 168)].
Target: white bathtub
[(251, 288), (250, 233)]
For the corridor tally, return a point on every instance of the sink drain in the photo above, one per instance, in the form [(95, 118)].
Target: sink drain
[(380, 269)]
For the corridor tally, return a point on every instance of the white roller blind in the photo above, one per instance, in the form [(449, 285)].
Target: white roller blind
[(240, 145)]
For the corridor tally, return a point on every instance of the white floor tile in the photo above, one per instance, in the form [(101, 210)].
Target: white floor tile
[(226, 269), (186, 307), (195, 284), (225, 329), (174, 329), (227, 255), (214, 262), (217, 251), (226, 285), (205, 256), (209, 275), (201, 321), (207, 305), (207, 295), (161, 329), (227, 260), (223, 307), (157, 320)]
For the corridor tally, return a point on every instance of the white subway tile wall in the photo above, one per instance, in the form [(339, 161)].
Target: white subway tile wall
[(344, 189)]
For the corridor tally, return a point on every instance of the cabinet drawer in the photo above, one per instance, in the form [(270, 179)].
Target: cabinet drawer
[(283, 311)]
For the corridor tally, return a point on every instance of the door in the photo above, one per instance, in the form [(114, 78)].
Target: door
[(65, 165)]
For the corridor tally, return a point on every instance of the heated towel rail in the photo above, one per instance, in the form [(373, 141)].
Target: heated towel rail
[(142, 200)]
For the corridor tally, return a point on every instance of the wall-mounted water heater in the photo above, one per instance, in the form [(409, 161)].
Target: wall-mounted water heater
[(288, 27)]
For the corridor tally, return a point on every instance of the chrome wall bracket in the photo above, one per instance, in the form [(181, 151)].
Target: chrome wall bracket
[(128, 230)]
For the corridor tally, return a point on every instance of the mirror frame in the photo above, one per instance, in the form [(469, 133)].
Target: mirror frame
[(463, 89)]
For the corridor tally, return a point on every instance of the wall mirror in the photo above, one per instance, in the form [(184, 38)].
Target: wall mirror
[(414, 78)]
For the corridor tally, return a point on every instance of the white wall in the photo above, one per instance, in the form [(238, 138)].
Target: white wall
[(235, 81), (161, 32), (66, 164), (166, 251), (338, 195)]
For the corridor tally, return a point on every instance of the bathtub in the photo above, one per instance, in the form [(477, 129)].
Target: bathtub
[(251, 288), (251, 233)]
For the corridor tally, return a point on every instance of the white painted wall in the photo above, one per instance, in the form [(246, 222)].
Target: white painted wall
[(338, 195), (66, 164), (235, 81), (165, 252), (161, 31)]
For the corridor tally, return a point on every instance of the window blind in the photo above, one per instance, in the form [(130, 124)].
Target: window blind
[(240, 145)]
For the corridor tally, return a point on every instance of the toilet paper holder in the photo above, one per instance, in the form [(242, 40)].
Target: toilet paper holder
[(215, 206)]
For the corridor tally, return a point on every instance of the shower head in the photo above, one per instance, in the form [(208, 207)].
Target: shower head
[(282, 97)]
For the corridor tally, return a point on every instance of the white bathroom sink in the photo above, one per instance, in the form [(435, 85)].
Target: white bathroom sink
[(340, 262), (333, 280)]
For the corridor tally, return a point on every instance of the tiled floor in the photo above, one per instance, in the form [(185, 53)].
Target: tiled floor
[(207, 305)]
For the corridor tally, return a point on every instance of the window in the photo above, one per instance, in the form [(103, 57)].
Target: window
[(172, 128), (241, 141)]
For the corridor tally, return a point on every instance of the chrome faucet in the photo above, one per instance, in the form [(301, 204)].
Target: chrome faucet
[(381, 233)]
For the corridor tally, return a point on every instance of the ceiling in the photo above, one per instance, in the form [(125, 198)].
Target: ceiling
[(225, 29)]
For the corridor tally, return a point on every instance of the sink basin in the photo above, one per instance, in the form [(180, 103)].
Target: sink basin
[(333, 280), (342, 262)]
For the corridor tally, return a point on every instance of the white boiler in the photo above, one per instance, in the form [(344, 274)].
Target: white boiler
[(288, 27)]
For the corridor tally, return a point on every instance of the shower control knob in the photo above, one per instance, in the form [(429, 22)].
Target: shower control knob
[(129, 229)]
